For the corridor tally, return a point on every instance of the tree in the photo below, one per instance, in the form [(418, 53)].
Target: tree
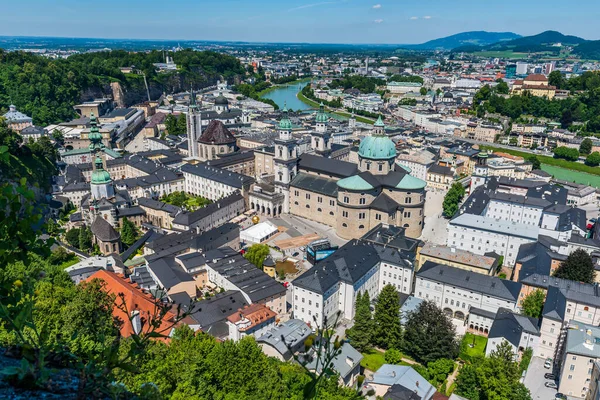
[(429, 334), (129, 232), (501, 87), (58, 137), (556, 78), (393, 356), (387, 332), (566, 153), (72, 237), (535, 162), (256, 254), (467, 383), (577, 267), (453, 199), (85, 239), (423, 91), (361, 333), (439, 370), (533, 304), (586, 146), (593, 159)]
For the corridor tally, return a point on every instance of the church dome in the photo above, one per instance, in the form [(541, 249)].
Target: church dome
[(321, 115), (221, 100), (100, 176), (377, 148)]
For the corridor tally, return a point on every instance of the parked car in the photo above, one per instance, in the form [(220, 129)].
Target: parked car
[(550, 385), (548, 363), (550, 376), (296, 254), (560, 396)]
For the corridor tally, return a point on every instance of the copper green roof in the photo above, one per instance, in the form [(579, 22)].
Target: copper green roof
[(377, 148), (404, 167), (409, 182), (379, 122), (354, 182), (285, 124), (100, 176), (95, 136), (321, 115)]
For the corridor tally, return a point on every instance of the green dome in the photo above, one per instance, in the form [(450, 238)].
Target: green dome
[(377, 148), (321, 115), (379, 122), (354, 182), (285, 124), (409, 182), (100, 176)]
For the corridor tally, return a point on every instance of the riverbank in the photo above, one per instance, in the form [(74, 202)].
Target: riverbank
[(279, 86), (556, 162), (314, 104)]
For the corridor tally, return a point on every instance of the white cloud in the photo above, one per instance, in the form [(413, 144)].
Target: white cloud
[(427, 17), (378, 21), (312, 5), (377, 6), (414, 18)]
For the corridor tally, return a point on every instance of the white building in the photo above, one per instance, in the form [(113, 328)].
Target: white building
[(214, 183), (456, 290), (520, 331)]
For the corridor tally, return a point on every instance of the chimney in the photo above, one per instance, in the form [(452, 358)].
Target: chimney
[(417, 383)]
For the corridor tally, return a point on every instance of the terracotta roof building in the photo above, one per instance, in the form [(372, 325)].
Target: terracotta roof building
[(254, 319), (139, 304)]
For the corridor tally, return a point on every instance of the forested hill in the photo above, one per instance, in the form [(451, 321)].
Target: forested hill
[(46, 89)]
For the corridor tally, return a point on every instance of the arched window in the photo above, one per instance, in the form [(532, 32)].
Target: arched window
[(330, 212), (319, 210), (307, 206), (361, 227), (406, 225), (344, 225)]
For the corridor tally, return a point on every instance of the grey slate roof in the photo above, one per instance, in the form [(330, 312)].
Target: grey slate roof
[(291, 333), (187, 219), (557, 297), (510, 326), (482, 312), (256, 284), (216, 133), (168, 272), (211, 314), (225, 177), (440, 170), (158, 205), (328, 166), (583, 339), (317, 184), (488, 285), (104, 231), (348, 264)]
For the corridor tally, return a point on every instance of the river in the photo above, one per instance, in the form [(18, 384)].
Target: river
[(287, 95)]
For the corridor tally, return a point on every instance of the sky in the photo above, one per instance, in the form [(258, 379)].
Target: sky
[(313, 21)]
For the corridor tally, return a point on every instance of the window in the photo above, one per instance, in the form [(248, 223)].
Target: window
[(310, 302), (345, 214), (380, 167), (331, 203), (408, 200), (319, 210), (406, 214), (307, 196), (362, 201), (361, 227), (361, 215), (346, 199), (378, 217), (344, 225)]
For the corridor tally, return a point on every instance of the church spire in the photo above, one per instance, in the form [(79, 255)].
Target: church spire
[(95, 136)]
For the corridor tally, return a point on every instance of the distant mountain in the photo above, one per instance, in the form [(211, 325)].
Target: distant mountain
[(588, 50), (547, 38), (474, 38)]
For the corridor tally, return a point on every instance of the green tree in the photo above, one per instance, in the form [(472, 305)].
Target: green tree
[(423, 91), (393, 356), (566, 153), (556, 78), (72, 237), (593, 160), (361, 333), (535, 162), (586, 146), (387, 332), (467, 383), (453, 199), (58, 137), (577, 267), (429, 334), (501, 87), (85, 239), (256, 254), (439, 370), (129, 232), (533, 304)]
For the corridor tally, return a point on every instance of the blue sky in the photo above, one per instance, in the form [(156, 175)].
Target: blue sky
[(317, 21)]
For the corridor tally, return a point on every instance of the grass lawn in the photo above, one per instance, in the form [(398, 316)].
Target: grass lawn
[(467, 352), (67, 264), (372, 360)]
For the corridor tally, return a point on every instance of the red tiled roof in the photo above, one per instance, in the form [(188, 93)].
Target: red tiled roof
[(536, 77), (256, 313), (135, 300)]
